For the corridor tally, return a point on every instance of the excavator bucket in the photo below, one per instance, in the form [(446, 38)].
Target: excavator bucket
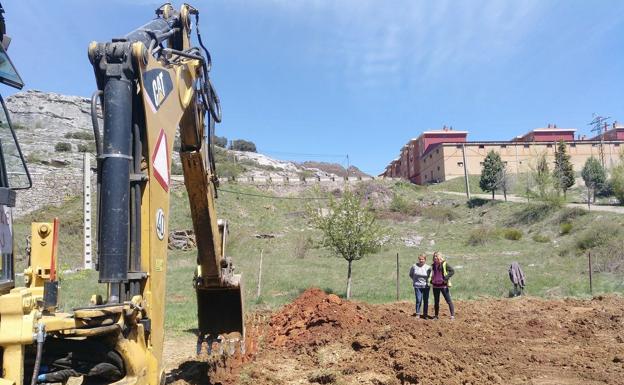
[(220, 311)]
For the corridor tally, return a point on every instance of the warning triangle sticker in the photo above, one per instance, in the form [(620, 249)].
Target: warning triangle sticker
[(160, 161)]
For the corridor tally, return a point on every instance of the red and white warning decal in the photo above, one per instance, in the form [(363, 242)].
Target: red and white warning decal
[(160, 161)]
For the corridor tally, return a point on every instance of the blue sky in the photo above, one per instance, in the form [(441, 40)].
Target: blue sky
[(361, 77)]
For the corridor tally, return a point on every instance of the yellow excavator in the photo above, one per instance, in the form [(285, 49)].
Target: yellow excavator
[(152, 84)]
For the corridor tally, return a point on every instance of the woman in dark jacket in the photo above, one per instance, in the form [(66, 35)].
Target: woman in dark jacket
[(439, 279)]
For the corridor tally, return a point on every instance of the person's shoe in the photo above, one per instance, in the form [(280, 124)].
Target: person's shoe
[(452, 317), (424, 316), (435, 317)]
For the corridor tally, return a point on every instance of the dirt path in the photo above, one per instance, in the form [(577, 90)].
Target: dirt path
[(519, 199), (322, 339)]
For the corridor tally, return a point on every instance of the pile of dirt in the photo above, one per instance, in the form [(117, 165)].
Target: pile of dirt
[(315, 318), (320, 338)]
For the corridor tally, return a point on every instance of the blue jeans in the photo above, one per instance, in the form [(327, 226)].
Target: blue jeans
[(422, 297)]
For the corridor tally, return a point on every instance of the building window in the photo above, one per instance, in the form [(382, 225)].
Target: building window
[(458, 146), (505, 163), (481, 146), (572, 144), (460, 164), (481, 164), (549, 145), (425, 160), (438, 168), (616, 144), (437, 151), (526, 146), (503, 146)]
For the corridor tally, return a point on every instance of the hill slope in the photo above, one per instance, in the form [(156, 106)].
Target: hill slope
[(45, 123)]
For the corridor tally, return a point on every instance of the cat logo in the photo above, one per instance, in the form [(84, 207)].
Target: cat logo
[(158, 86)]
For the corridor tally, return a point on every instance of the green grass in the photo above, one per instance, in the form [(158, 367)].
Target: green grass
[(555, 263)]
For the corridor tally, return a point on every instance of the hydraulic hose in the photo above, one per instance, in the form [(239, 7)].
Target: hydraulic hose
[(95, 123), (40, 337)]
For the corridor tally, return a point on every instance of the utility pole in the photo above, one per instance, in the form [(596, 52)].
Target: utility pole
[(348, 166), (598, 123), (467, 183)]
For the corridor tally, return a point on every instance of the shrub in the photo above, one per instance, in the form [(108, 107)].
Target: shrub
[(512, 234), (533, 213), (477, 202), (565, 228), (303, 243), (83, 135), (34, 157), (605, 189), (481, 236), (609, 257), (541, 238), (84, 147), (220, 141), (63, 147), (570, 213), (617, 182), (597, 235), (398, 204), (243, 145), (438, 213), (229, 170)]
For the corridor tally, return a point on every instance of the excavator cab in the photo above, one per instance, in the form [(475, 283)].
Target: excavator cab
[(13, 171)]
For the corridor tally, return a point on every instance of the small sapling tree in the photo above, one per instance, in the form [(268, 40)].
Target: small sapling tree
[(349, 230)]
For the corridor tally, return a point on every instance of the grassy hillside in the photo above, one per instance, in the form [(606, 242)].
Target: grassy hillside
[(479, 239)]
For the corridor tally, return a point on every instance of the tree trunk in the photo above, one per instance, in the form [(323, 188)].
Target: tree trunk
[(505, 195), (349, 279), (588, 198), (493, 194)]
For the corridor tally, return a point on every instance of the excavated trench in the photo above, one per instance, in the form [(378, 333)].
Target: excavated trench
[(322, 339)]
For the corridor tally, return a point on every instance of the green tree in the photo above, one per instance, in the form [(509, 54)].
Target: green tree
[(617, 181), (563, 173), (490, 174), (594, 176), (349, 230), (505, 181), (542, 176), (243, 145), (220, 141)]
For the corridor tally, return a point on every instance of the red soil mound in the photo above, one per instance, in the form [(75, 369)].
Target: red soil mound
[(314, 318)]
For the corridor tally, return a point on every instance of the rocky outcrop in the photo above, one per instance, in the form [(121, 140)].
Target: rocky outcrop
[(42, 120), (46, 122)]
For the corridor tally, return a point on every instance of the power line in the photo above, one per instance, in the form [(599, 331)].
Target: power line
[(597, 124), (270, 196)]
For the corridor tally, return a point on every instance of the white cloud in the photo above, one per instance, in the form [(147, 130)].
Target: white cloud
[(389, 42)]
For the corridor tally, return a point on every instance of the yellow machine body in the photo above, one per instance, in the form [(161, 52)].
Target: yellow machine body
[(119, 339)]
